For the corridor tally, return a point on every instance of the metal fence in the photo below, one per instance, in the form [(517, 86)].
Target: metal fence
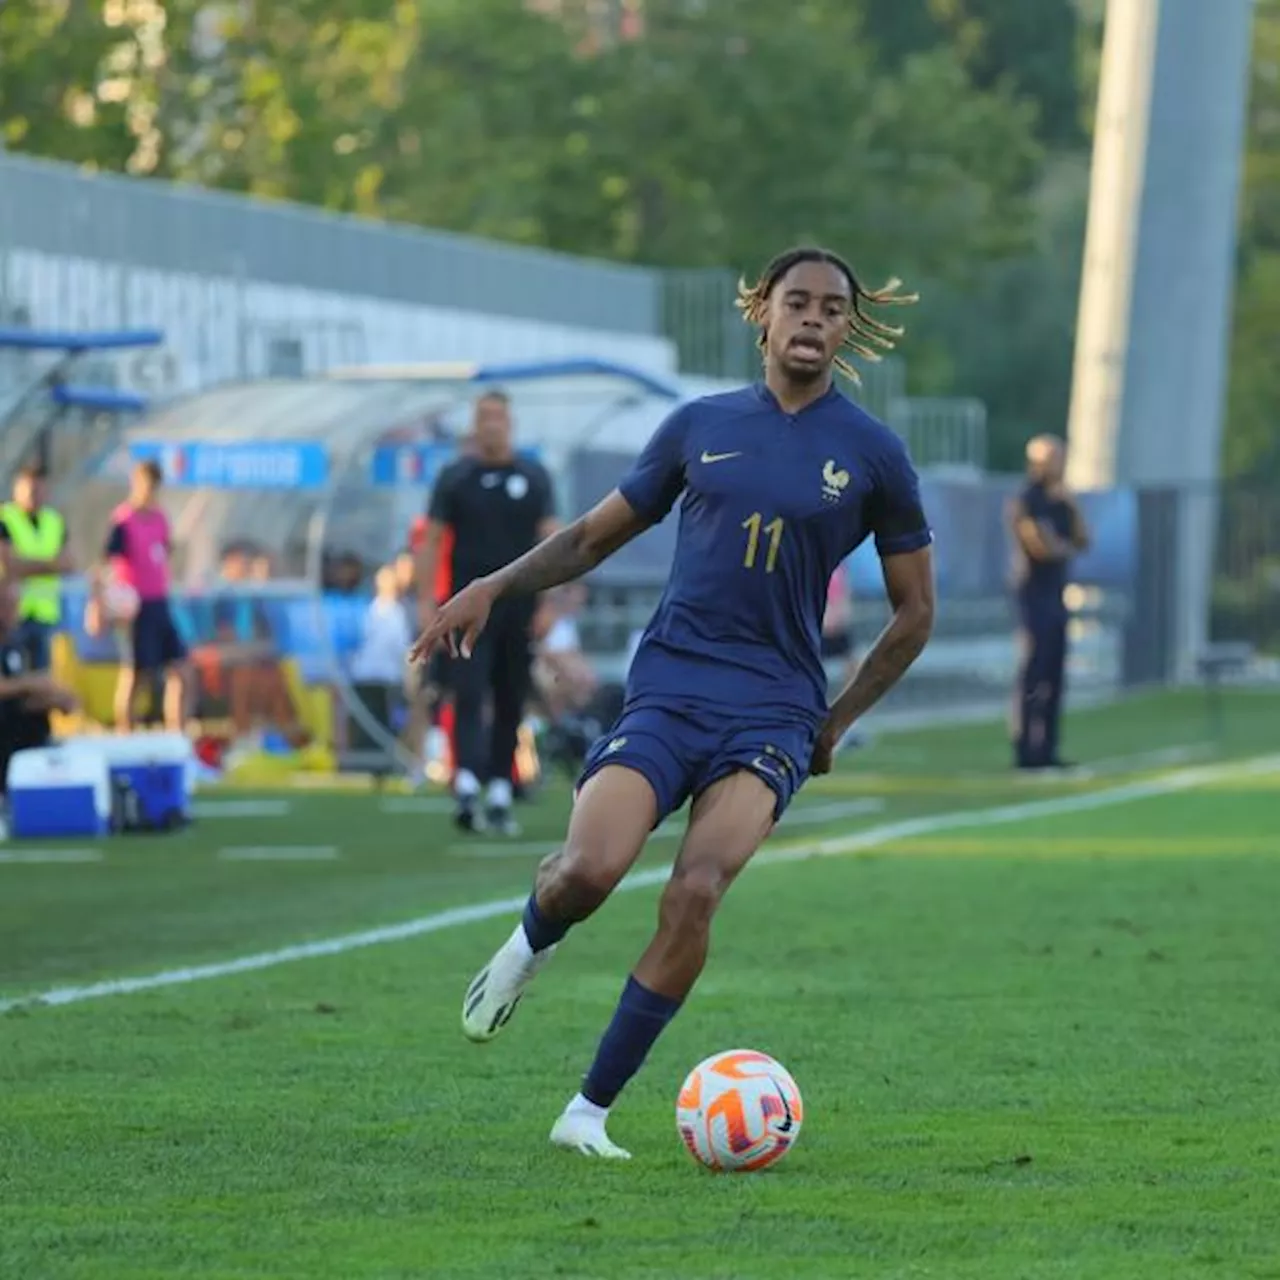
[(1130, 600)]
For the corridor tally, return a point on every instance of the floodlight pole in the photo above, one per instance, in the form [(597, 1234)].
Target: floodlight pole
[(1156, 294)]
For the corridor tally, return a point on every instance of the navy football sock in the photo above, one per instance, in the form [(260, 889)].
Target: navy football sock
[(638, 1021), (541, 932)]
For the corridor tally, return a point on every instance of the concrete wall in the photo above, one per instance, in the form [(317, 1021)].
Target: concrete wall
[(1155, 306), (239, 284)]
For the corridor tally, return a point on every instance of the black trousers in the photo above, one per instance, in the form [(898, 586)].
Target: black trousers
[(495, 680), (20, 730), (1041, 679)]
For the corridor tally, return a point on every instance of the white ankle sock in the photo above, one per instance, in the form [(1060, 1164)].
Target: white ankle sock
[(586, 1107), (520, 940)]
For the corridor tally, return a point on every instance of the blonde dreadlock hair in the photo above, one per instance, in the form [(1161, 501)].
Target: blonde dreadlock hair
[(866, 337)]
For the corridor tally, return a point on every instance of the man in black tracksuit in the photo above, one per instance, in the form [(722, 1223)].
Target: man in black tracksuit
[(497, 506), (1048, 530)]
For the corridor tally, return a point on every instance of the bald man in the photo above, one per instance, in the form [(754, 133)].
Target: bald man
[(1048, 530)]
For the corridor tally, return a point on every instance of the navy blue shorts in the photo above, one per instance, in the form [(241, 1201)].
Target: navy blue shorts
[(154, 642), (681, 753)]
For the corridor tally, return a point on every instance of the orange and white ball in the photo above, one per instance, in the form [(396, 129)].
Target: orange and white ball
[(739, 1111)]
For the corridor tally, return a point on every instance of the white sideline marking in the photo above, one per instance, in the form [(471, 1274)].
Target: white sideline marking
[(50, 855), (279, 853), (931, 824), (241, 808)]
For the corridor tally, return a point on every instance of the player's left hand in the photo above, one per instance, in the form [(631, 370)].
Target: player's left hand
[(464, 614), (824, 752)]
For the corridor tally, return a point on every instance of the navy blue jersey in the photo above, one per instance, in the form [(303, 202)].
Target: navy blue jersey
[(1046, 579), (770, 504)]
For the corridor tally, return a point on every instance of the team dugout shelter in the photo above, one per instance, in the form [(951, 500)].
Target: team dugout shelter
[(286, 495)]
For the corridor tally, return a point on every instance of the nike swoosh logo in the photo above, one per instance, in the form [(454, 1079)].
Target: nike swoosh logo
[(719, 457), (789, 1122)]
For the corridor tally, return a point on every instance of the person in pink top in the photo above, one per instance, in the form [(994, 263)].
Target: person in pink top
[(138, 547)]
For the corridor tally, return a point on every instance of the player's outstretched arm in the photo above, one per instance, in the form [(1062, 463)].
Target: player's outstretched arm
[(566, 554), (572, 551), (908, 580)]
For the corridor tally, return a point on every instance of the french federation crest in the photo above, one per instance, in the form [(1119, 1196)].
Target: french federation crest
[(834, 481)]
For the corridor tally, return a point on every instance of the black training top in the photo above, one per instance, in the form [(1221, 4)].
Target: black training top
[(493, 510)]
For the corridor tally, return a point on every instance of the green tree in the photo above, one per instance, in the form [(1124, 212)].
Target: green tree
[(713, 140), (723, 134), (1009, 338), (1032, 47), (64, 77), (1251, 445)]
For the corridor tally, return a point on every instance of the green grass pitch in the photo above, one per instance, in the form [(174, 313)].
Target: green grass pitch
[(1040, 1043)]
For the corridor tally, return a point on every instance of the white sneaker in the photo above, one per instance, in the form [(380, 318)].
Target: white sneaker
[(581, 1129), (495, 991), (500, 822)]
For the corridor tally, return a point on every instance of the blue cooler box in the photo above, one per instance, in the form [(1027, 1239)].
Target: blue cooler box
[(150, 779), (152, 796), (58, 792)]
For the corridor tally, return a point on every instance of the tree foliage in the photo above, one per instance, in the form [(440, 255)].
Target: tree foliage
[(1032, 48), (1252, 442), (913, 134), (719, 135)]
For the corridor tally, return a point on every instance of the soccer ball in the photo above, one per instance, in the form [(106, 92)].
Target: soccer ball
[(739, 1111)]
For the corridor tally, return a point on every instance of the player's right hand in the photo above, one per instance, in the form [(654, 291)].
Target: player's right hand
[(93, 617), (457, 623)]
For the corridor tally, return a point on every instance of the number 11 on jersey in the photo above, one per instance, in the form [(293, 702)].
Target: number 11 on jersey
[(755, 526)]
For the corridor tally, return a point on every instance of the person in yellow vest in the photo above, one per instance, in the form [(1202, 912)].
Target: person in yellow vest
[(33, 552)]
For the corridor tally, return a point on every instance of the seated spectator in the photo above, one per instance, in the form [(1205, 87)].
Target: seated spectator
[(387, 636), (406, 571), (243, 659), (564, 678)]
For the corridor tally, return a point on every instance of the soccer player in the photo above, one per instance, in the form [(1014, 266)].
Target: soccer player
[(492, 505), (727, 697), (1049, 531), (139, 546)]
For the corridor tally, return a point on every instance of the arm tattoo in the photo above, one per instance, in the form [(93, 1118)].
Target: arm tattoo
[(560, 558), (897, 647)]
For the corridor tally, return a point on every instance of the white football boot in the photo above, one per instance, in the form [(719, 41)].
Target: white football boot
[(581, 1129), (495, 991)]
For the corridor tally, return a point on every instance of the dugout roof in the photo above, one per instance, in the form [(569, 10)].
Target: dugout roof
[(372, 427)]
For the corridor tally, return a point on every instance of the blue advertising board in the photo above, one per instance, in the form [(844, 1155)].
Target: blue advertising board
[(409, 464), (275, 464), (395, 465)]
